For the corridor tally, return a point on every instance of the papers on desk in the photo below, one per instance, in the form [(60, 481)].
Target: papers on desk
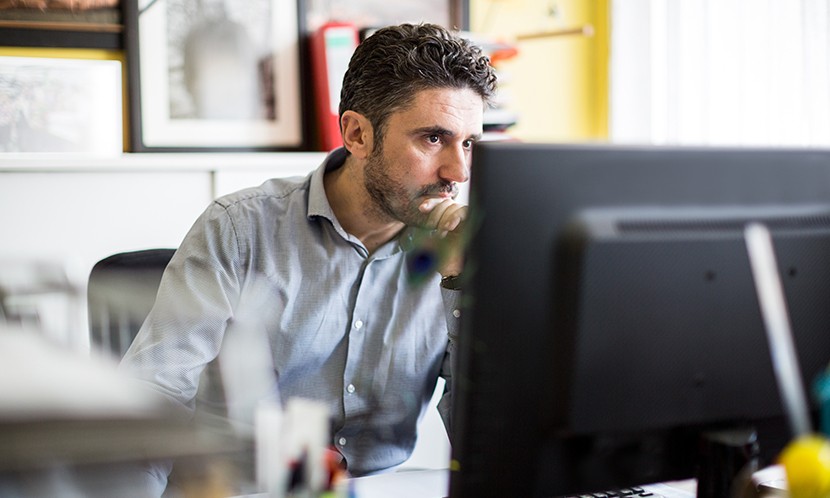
[(771, 481), (404, 484)]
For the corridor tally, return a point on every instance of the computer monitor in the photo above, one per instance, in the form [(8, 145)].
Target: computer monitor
[(611, 323)]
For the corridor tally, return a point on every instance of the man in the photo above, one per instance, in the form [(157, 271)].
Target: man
[(322, 261)]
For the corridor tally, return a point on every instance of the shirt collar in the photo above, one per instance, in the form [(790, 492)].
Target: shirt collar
[(318, 205)]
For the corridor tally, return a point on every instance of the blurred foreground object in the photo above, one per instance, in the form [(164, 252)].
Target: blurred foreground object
[(74, 425), (821, 390), (806, 461), (42, 296), (292, 455)]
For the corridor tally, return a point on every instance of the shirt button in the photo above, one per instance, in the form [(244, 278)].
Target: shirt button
[(456, 313), (341, 441), (350, 388), (358, 324)]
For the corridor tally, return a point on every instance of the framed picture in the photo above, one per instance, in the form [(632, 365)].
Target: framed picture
[(214, 74), (55, 105)]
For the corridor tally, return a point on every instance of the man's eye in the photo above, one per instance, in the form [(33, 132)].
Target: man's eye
[(468, 144), (434, 139)]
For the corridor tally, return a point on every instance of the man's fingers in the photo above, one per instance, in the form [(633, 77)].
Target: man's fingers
[(429, 204), (444, 214)]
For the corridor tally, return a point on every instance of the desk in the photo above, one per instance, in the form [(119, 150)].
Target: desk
[(404, 484), (435, 483)]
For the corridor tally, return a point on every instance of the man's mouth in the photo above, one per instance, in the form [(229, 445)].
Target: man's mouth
[(444, 192)]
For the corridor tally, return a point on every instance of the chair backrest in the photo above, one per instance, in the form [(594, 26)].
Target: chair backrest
[(121, 290)]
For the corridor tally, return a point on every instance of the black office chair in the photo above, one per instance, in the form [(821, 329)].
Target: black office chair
[(121, 290)]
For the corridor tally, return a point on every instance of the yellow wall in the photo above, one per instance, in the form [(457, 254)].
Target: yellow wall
[(557, 85)]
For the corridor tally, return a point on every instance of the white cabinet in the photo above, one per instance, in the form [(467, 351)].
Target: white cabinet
[(79, 210), (83, 217)]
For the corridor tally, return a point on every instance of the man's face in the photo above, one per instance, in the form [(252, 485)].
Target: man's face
[(425, 152)]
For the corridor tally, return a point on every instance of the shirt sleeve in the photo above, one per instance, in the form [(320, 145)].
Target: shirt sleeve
[(452, 307), (197, 294)]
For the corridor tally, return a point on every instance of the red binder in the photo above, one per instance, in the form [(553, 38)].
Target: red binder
[(331, 49)]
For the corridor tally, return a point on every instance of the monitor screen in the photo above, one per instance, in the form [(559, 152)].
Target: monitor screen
[(611, 323)]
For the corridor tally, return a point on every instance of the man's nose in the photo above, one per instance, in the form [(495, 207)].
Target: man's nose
[(455, 166)]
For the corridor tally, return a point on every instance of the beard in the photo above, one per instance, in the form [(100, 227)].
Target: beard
[(391, 199)]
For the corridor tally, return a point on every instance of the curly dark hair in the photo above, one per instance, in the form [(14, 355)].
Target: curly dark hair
[(392, 65)]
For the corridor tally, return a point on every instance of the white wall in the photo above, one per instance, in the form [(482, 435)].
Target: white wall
[(720, 72), (71, 212)]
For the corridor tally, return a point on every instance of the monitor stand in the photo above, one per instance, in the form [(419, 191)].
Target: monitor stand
[(728, 460)]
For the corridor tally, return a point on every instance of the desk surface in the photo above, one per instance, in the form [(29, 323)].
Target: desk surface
[(404, 484), (435, 483)]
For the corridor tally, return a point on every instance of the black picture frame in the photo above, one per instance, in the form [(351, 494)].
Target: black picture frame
[(169, 105), (24, 36)]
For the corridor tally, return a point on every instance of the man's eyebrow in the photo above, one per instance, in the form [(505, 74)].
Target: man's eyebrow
[(433, 130), (438, 130)]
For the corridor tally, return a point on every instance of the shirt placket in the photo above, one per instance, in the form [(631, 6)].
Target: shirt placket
[(355, 400)]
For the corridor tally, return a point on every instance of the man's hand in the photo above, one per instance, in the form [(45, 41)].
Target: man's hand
[(447, 218)]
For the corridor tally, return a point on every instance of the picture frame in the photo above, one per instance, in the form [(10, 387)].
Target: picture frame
[(213, 75), (61, 106)]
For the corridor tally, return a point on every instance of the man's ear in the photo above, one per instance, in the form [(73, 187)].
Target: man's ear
[(357, 134)]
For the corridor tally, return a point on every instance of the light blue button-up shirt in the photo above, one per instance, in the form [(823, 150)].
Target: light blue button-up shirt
[(342, 326)]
